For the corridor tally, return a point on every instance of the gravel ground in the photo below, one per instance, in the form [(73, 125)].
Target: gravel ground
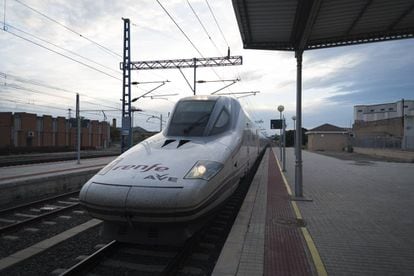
[(60, 256), (28, 236)]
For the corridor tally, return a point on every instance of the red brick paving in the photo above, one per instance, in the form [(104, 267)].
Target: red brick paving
[(284, 246)]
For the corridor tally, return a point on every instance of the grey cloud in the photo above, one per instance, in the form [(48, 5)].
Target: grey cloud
[(251, 75)]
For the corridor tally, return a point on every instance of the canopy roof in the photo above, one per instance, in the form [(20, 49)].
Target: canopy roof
[(310, 24)]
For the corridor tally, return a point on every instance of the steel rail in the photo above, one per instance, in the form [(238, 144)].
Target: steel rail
[(92, 260), (19, 224), (25, 205)]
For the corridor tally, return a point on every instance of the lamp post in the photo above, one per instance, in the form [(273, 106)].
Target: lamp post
[(280, 108), (294, 131)]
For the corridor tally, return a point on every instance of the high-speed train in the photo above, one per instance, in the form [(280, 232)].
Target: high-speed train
[(161, 187)]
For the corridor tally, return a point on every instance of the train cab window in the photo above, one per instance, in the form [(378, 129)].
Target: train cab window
[(222, 123), (190, 118)]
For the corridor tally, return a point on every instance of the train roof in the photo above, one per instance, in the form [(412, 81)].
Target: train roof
[(205, 97)]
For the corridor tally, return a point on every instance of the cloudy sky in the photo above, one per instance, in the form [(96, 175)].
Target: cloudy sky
[(52, 49)]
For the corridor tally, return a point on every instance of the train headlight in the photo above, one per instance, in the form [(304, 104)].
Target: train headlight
[(204, 170)]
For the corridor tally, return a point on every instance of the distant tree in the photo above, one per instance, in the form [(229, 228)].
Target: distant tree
[(115, 134), (290, 138)]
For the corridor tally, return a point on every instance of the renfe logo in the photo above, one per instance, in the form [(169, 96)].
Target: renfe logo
[(142, 168), (149, 168)]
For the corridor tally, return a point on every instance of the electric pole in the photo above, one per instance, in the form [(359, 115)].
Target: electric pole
[(126, 130)]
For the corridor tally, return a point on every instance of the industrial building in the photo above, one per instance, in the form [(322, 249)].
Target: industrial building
[(387, 125), (23, 129)]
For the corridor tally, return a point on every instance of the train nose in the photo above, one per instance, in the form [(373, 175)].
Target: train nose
[(122, 203)]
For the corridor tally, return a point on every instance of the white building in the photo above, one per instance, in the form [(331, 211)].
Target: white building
[(375, 112), (365, 116)]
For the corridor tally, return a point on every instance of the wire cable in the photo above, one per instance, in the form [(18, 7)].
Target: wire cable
[(181, 30), (37, 83), (47, 106), (215, 20), (204, 28), (61, 48), (69, 29), (63, 55), (215, 72), (54, 95)]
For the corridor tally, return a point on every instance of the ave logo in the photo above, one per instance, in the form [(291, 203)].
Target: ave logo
[(162, 177)]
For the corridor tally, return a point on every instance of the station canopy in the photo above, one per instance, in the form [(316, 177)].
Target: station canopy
[(311, 24)]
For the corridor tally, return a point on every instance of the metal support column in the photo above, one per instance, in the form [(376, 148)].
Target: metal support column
[(284, 145), (126, 131), (298, 133)]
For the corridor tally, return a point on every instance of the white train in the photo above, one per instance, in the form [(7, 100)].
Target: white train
[(176, 177)]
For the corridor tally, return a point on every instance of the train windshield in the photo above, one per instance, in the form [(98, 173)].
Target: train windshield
[(190, 118)]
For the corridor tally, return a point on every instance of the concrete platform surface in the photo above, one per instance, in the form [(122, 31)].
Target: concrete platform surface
[(19, 184), (362, 214), (23, 172), (360, 220)]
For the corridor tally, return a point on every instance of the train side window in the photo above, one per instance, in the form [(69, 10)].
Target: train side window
[(222, 123)]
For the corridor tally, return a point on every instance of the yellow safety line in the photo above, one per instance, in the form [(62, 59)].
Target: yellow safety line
[(317, 260)]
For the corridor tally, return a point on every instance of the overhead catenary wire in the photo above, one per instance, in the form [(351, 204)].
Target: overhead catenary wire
[(47, 106), (39, 92), (18, 87), (19, 101), (106, 49), (38, 83), (220, 29), (218, 25), (37, 110), (204, 28), (187, 37), (64, 49), (181, 30), (63, 55)]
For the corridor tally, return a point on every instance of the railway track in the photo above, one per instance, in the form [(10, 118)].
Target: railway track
[(22, 215), (24, 159)]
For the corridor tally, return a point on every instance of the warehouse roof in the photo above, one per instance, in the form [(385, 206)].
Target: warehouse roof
[(328, 128)]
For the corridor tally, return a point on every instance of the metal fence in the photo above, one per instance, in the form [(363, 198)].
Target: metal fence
[(378, 142)]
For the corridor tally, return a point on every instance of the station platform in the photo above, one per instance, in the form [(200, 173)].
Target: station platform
[(359, 220), (29, 181)]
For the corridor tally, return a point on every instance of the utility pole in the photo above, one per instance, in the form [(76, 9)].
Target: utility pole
[(126, 130), (78, 119)]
